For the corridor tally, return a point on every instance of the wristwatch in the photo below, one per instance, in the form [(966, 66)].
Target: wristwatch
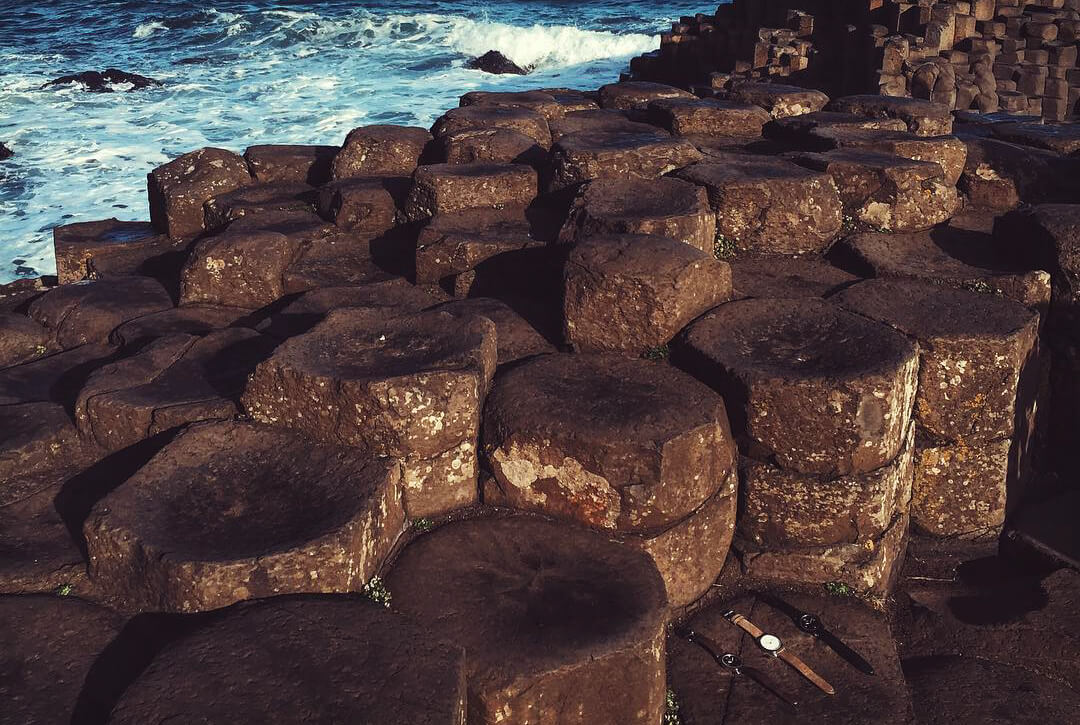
[(774, 646)]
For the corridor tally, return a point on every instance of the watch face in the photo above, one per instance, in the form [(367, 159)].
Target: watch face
[(770, 642)]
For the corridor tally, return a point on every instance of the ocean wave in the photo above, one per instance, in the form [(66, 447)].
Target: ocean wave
[(145, 30)]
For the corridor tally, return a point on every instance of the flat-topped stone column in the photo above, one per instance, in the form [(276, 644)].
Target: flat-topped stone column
[(409, 386), (361, 663), (555, 620), (232, 511)]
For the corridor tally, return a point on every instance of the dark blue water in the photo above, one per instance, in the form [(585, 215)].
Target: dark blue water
[(240, 73)]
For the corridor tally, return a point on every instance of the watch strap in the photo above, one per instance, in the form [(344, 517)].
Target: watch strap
[(746, 625), (804, 669)]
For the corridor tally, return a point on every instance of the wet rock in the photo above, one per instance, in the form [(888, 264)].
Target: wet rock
[(365, 206), (610, 442), (173, 381), (600, 120), (869, 568), (709, 693), (485, 118), (782, 509), (448, 188), (112, 248), (923, 118), (179, 189), (632, 293), (887, 192), (820, 390), (232, 511), (88, 311), (190, 320), (380, 151), (953, 688), (21, 339), (238, 269), (394, 296), (962, 490), (710, 117), (555, 619), (409, 387), (495, 62), (769, 205), (779, 100), (5, 152), (583, 156), (103, 81), (242, 668), (517, 338), (972, 347), (290, 164), (785, 277), (50, 645), (665, 207), (497, 145), (638, 95), (919, 256)]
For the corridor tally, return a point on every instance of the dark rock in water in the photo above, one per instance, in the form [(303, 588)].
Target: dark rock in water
[(495, 62), (5, 152), (102, 82)]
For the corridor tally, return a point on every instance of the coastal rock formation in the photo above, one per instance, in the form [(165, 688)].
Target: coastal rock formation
[(495, 62), (104, 81), (570, 368), (5, 152)]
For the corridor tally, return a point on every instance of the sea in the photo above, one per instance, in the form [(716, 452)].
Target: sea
[(241, 73)]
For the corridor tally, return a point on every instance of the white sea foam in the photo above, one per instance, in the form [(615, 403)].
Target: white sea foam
[(145, 30)]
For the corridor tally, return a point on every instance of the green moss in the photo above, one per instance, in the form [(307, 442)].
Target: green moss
[(982, 287), (376, 591), (723, 248), (671, 712), (64, 590), (839, 589), (423, 525), (661, 352)]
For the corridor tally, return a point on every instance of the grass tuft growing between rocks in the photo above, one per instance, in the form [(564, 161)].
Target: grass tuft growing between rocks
[(64, 590), (839, 589), (376, 591), (423, 525), (671, 710)]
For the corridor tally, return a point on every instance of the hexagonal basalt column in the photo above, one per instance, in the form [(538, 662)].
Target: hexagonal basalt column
[(560, 624), (361, 663), (232, 511), (587, 155), (178, 189), (448, 188), (610, 442), (820, 390), (663, 207), (410, 387), (769, 205), (632, 293)]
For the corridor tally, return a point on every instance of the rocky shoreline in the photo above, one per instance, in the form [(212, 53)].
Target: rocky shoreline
[(567, 369)]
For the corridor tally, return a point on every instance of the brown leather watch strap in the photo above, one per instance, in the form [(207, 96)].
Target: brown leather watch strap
[(792, 659), (746, 625)]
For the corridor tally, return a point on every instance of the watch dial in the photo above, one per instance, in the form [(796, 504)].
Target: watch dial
[(770, 642)]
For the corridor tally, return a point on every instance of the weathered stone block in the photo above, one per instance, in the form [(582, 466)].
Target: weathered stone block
[(380, 151), (178, 189)]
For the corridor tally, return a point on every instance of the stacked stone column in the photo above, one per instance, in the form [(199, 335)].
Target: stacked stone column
[(821, 404)]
